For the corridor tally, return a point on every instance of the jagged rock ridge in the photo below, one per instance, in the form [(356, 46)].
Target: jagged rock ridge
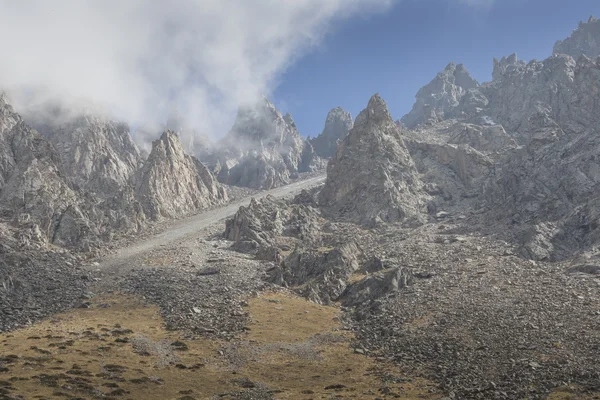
[(97, 154), (372, 177), (338, 124), (438, 99), (78, 200), (263, 149), (585, 40), (34, 193), (172, 183), (537, 125)]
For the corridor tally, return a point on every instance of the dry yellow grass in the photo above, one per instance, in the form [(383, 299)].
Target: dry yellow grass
[(571, 393), (293, 346)]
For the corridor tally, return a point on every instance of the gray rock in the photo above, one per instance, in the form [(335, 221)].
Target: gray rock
[(585, 40), (322, 276), (376, 286), (372, 177), (263, 149), (438, 99), (172, 184), (456, 171), (97, 155), (256, 229), (33, 189), (506, 65), (338, 124)]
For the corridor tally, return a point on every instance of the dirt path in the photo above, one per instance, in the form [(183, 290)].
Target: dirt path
[(186, 227)]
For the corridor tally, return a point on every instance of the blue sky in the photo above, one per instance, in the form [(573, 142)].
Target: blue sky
[(398, 52)]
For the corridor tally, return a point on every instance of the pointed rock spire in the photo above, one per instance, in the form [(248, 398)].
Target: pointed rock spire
[(372, 177)]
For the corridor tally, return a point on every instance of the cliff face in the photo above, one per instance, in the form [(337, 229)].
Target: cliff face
[(440, 97), (263, 149), (584, 41), (172, 183), (338, 124), (372, 177), (97, 155), (34, 193)]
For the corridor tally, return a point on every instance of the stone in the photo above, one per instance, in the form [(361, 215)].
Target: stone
[(338, 124), (375, 286), (263, 149), (372, 177), (438, 99), (172, 184), (585, 40), (97, 155)]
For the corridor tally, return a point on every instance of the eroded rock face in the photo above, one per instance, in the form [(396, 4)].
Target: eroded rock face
[(263, 149), (97, 155), (550, 190), (322, 275), (452, 172), (506, 65), (372, 178), (256, 229), (377, 285), (172, 183), (585, 40), (33, 189), (338, 124), (439, 99)]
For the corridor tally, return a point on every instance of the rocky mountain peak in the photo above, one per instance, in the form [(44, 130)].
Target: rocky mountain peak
[(506, 64), (8, 116), (585, 40), (172, 183), (376, 112), (337, 125), (263, 149), (97, 154), (440, 97), (372, 177)]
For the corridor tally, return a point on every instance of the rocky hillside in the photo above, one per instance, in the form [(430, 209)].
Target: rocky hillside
[(97, 155), (440, 98), (263, 149), (531, 145), (83, 183), (585, 40), (34, 193), (172, 184), (372, 177), (338, 124)]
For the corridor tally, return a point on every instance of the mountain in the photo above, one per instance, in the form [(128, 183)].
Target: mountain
[(440, 97), (522, 147), (585, 40), (34, 192), (172, 183), (97, 154), (263, 149), (337, 125), (372, 177)]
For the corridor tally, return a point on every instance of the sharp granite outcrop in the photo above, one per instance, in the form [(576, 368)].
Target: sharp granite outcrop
[(372, 177), (525, 152), (172, 184), (263, 150), (96, 154), (440, 98), (94, 187), (34, 193), (585, 40), (338, 124)]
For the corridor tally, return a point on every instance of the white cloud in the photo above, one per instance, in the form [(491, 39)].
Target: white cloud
[(132, 56)]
